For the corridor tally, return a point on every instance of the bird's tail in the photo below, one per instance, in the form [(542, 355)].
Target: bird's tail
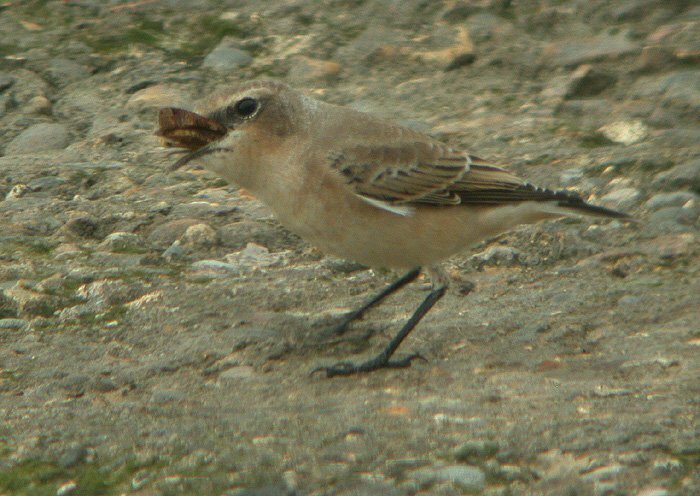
[(567, 203), (487, 184)]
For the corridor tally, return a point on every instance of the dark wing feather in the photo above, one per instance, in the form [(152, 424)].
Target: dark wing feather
[(403, 174)]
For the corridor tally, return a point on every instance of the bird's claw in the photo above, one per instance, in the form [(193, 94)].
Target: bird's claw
[(347, 368)]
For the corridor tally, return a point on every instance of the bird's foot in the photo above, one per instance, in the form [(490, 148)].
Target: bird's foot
[(376, 363)]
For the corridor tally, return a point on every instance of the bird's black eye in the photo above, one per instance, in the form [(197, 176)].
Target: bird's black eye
[(245, 107)]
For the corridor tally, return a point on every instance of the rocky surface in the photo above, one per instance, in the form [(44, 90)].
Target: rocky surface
[(157, 329)]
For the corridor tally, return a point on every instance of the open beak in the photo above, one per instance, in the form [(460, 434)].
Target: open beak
[(181, 128)]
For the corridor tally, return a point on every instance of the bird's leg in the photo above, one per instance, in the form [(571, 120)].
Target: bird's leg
[(383, 359), (342, 326)]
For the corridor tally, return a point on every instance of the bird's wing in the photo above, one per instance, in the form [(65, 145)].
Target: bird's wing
[(394, 177), (400, 177)]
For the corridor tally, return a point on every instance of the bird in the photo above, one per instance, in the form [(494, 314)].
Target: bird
[(360, 188)]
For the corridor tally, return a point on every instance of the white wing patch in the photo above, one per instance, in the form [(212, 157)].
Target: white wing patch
[(402, 210)]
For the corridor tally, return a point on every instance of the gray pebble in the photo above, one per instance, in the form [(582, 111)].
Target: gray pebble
[(655, 491), (238, 234), (605, 489), (254, 255), (216, 266), (341, 266), (123, 241), (603, 473), (476, 450), (510, 473), (45, 183), (74, 384), (236, 374), (75, 455), (604, 46), (227, 57), (497, 255), (164, 235), (685, 175), (675, 199), (200, 236), (68, 488), (673, 219), (65, 71), (39, 138), (6, 103), (666, 467), (104, 385), (682, 89), (166, 396), (571, 177), (621, 198), (194, 209), (140, 479), (13, 324), (6, 81), (108, 292), (27, 85), (629, 300), (17, 191), (588, 81), (467, 478), (85, 226), (174, 251)]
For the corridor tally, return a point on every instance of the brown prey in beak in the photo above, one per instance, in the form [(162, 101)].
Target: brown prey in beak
[(184, 129)]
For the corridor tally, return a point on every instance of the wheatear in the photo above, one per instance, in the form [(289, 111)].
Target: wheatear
[(359, 187)]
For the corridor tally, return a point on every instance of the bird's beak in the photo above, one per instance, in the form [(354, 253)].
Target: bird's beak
[(181, 128)]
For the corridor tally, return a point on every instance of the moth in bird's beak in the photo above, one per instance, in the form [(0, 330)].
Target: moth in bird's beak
[(181, 128)]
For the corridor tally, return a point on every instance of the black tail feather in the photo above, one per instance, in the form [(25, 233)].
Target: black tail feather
[(528, 192)]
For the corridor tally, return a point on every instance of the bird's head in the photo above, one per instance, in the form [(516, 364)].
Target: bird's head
[(258, 113)]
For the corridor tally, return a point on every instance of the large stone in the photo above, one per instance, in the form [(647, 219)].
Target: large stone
[(601, 47), (39, 138)]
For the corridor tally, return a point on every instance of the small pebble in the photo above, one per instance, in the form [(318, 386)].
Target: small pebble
[(467, 478), (166, 396), (66, 488), (254, 255), (603, 473), (156, 96), (73, 456), (666, 467), (629, 300), (13, 324), (123, 242), (621, 198), (216, 266), (226, 57), (174, 251), (653, 491), (625, 132), (236, 374), (605, 488), (17, 191), (200, 236), (472, 450), (675, 199)]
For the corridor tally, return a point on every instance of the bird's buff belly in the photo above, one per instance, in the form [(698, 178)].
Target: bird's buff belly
[(377, 238)]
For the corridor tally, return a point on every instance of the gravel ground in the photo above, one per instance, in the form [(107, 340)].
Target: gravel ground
[(157, 329)]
